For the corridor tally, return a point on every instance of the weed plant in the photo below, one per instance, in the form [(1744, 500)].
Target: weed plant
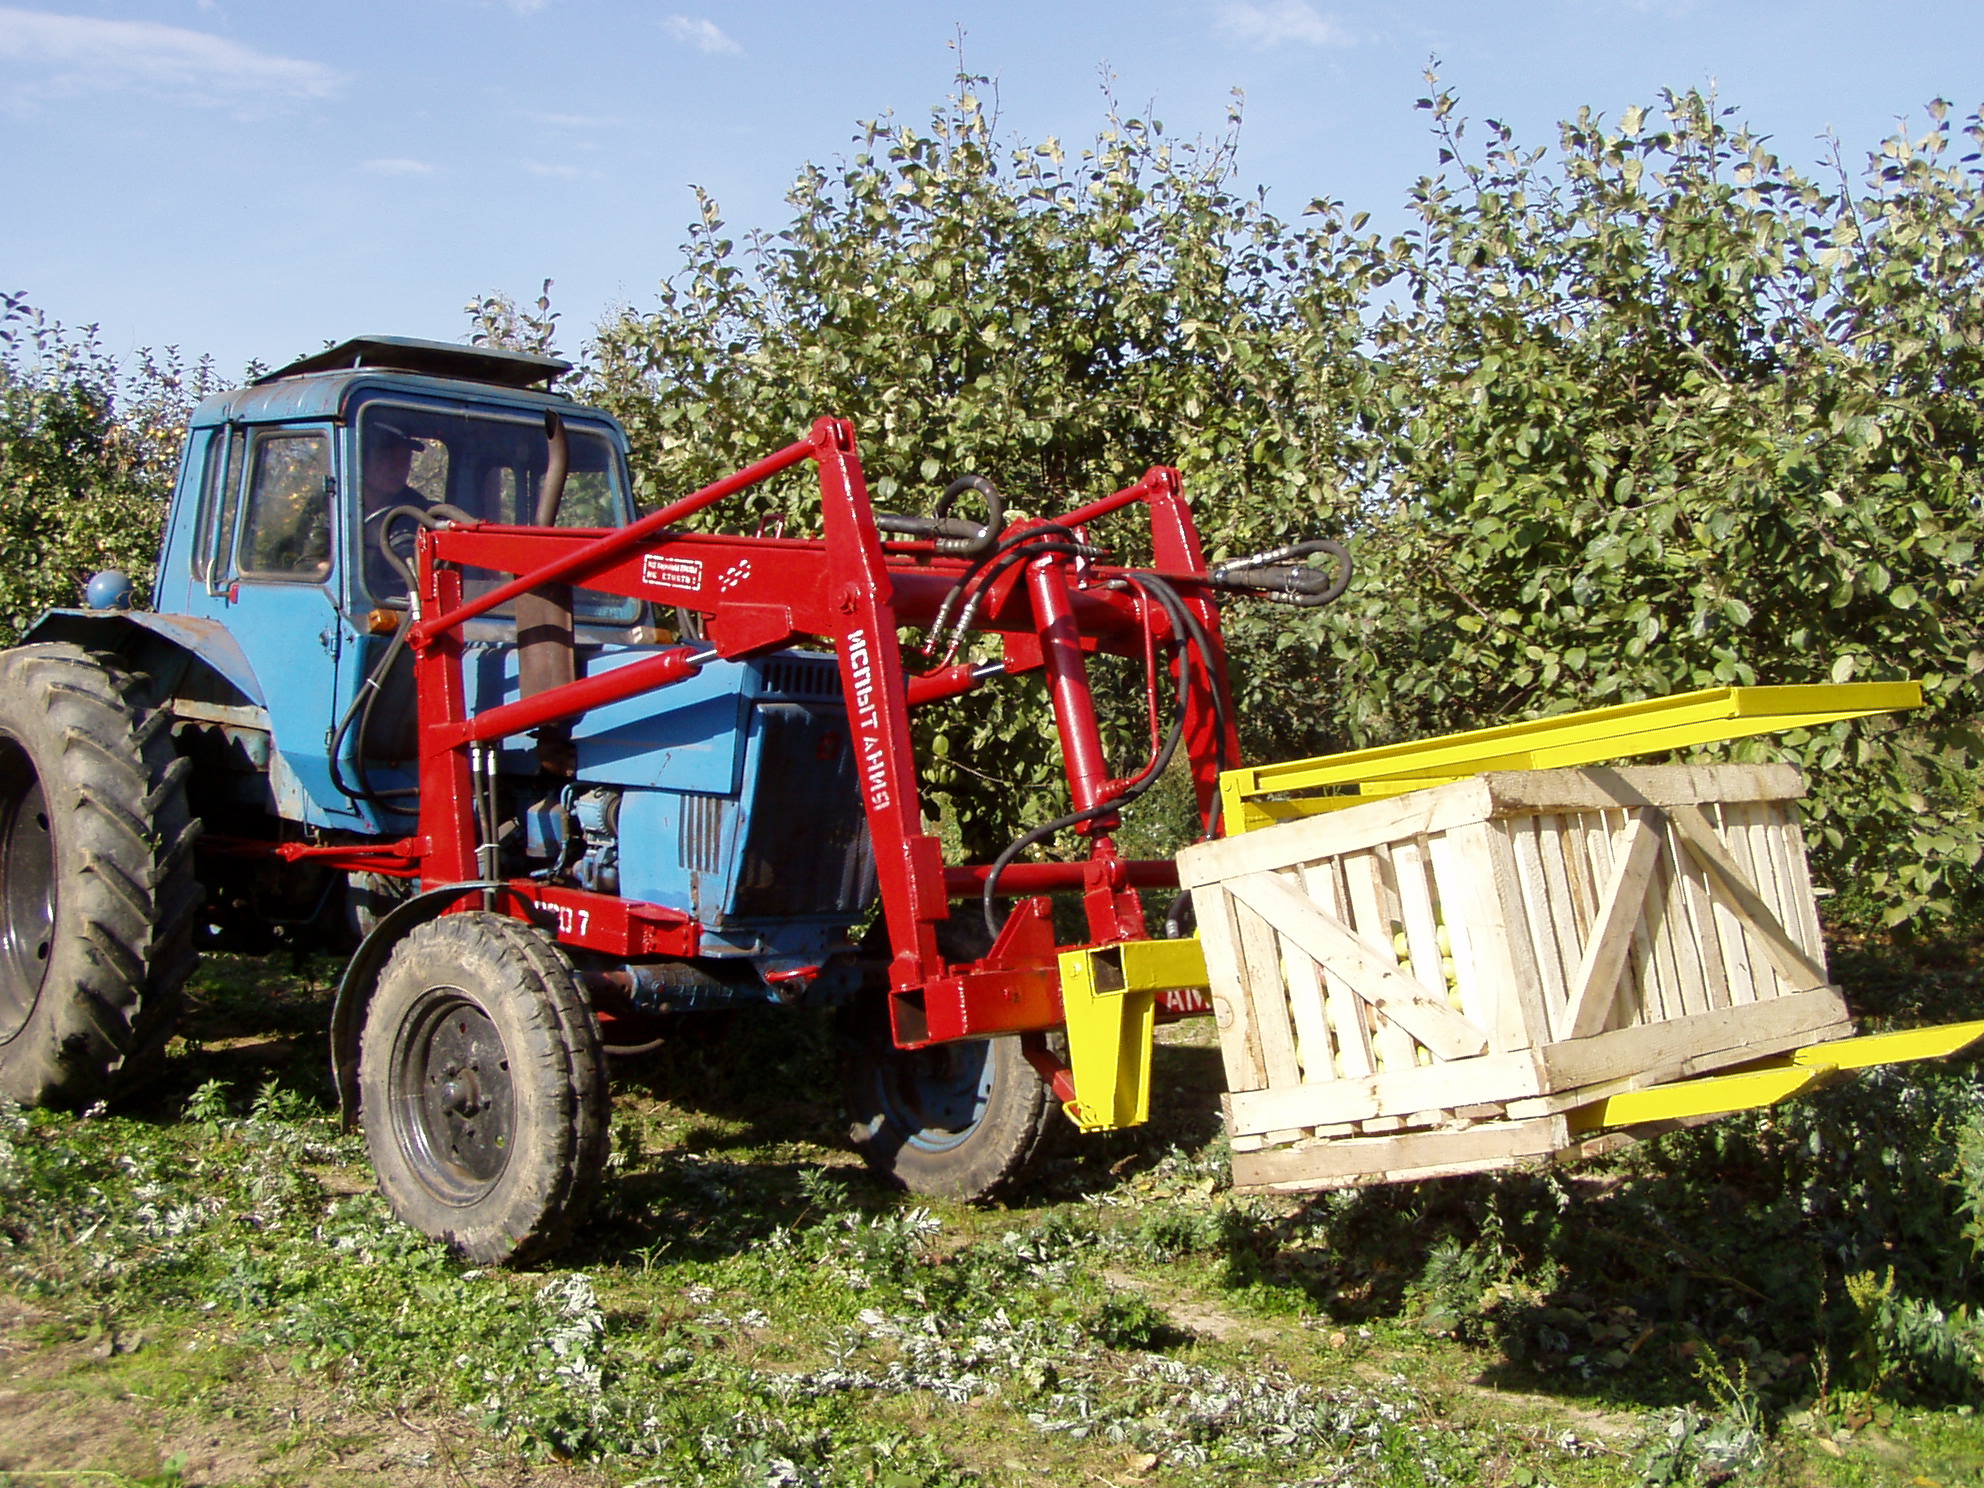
[(749, 1307)]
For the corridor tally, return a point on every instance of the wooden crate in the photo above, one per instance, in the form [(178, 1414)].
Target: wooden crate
[(1428, 984)]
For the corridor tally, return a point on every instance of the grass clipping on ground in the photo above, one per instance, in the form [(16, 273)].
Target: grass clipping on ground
[(204, 1289)]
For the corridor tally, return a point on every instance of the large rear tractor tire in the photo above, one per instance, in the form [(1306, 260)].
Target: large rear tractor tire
[(482, 1088), (97, 893), (961, 1120)]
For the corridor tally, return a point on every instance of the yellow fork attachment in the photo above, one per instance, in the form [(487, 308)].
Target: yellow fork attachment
[(1767, 1081), (1592, 737), (1110, 996), (1110, 992)]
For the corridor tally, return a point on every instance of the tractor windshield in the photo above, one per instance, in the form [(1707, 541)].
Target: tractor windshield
[(489, 464)]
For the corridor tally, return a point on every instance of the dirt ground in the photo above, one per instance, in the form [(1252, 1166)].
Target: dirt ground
[(67, 1411)]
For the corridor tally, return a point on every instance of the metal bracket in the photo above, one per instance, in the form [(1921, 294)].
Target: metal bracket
[(1109, 997)]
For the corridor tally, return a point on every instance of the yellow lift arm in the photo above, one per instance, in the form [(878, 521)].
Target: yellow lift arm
[(1768, 1081), (1591, 737)]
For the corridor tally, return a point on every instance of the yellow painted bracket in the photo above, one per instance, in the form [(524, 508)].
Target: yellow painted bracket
[(1591, 737), (1109, 997), (1767, 1081)]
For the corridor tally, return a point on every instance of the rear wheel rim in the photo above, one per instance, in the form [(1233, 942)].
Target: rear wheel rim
[(454, 1115), (29, 896), (936, 1097)]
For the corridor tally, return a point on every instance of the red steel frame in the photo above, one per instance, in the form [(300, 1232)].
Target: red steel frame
[(851, 588)]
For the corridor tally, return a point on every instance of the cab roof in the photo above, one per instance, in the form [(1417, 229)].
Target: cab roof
[(513, 369), (322, 385)]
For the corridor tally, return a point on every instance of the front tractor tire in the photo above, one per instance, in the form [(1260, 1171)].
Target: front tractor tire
[(97, 893), (960, 1120), (482, 1088)]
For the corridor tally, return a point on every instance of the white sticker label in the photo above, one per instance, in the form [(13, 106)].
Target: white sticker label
[(1184, 1000), (664, 571)]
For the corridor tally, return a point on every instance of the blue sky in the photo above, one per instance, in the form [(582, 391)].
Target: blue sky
[(251, 179)]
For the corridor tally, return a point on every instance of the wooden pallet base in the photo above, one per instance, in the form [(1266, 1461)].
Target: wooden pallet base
[(1534, 1082), (1362, 1161)]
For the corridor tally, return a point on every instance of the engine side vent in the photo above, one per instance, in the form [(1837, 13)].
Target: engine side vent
[(816, 677), (703, 821)]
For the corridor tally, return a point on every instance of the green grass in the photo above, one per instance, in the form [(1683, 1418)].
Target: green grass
[(1790, 1298)]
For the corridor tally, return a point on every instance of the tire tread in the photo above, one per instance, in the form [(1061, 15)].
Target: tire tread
[(129, 895)]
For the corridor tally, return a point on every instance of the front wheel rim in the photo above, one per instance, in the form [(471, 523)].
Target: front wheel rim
[(454, 1116)]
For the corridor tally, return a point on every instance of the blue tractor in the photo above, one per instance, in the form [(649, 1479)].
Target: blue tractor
[(417, 681)]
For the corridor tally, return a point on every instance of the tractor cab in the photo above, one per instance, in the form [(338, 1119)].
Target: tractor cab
[(293, 526)]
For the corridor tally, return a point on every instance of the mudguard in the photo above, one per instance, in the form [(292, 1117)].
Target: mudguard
[(207, 641)]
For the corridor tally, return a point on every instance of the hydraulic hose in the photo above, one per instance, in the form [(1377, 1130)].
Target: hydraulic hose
[(954, 536), (1168, 599), (1280, 577)]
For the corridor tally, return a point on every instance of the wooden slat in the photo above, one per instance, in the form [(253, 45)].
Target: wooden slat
[(1734, 944), (1762, 877), (1697, 905), (1577, 871), (1757, 830), (1660, 946), (1520, 792), (1682, 942), (1708, 1061), (1353, 1053), (1414, 877), (1479, 937), (1800, 915), (1798, 970), (1260, 950), (1566, 924), (1508, 949), (1647, 1002), (1349, 830), (1305, 1008), (1665, 1046), (1605, 954), (1388, 900), (1416, 1154), (1373, 978), (1491, 1077), (1527, 848), (1457, 904), (1232, 1012), (1390, 1043)]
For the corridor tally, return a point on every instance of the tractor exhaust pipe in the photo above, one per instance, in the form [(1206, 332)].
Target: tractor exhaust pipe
[(546, 645)]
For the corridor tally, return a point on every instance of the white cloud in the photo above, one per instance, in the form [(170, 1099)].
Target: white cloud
[(558, 172), (699, 32), (82, 54), (570, 121), (1271, 23), (397, 165)]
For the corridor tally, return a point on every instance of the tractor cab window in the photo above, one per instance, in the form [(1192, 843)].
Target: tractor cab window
[(487, 466), (286, 525)]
